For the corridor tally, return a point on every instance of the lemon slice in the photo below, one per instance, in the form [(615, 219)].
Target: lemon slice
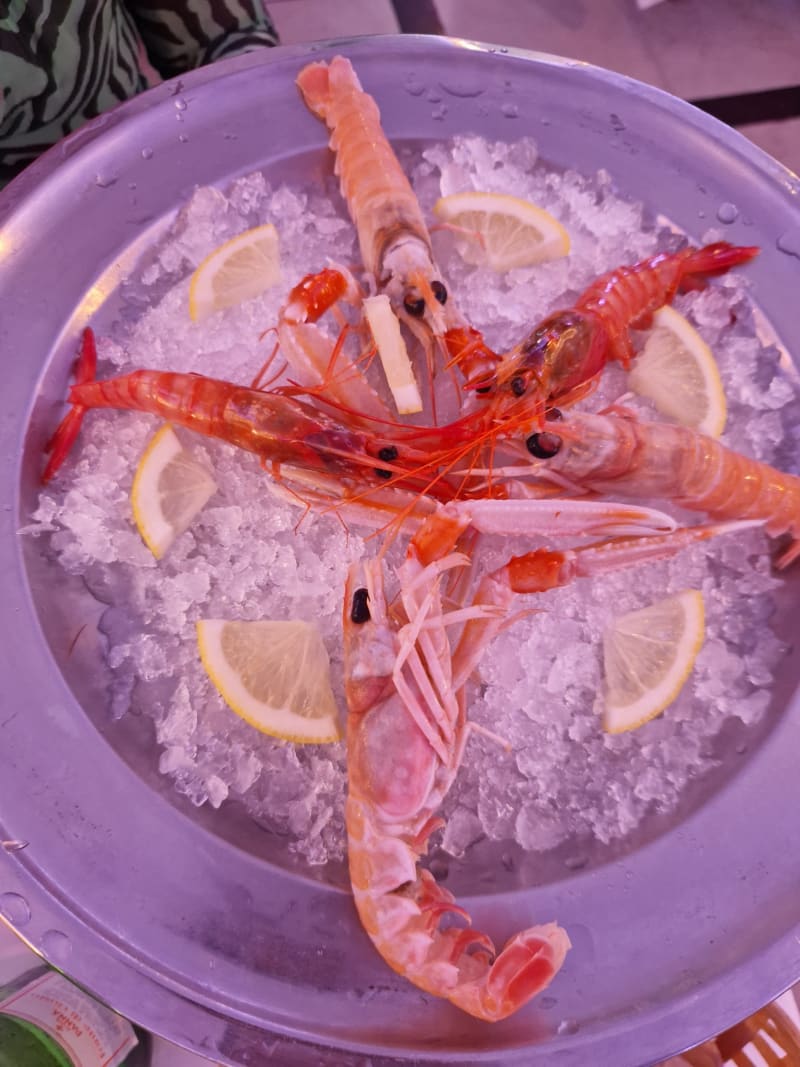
[(677, 371), (274, 675), (393, 354), (648, 656), (238, 270), (503, 231), (169, 488)]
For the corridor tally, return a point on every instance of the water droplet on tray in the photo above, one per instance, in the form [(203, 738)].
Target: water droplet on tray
[(616, 122), (568, 1026), (56, 946), (13, 846), (413, 85), (131, 185), (183, 138), (104, 182), (14, 907), (180, 104), (462, 89), (433, 96), (727, 212), (510, 110), (439, 112), (789, 243), (147, 153)]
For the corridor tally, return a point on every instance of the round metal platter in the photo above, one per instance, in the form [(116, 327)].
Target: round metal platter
[(193, 923)]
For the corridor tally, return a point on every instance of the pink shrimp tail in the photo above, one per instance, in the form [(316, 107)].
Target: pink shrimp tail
[(313, 82), (488, 986), (457, 962), (68, 429), (317, 82), (711, 260), (524, 968)]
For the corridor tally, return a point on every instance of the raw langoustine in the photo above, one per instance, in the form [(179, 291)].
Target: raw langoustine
[(393, 238), (570, 347), (621, 454), (406, 733)]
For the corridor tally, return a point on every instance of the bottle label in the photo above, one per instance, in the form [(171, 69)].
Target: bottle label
[(91, 1034)]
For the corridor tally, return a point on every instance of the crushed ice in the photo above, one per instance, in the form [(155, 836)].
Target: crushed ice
[(243, 559)]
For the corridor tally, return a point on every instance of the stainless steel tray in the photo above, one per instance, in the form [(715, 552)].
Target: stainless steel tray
[(193, 923)]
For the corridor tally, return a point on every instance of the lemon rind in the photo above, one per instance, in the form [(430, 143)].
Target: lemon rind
[(157, 533), (555, 240), (713, 422), (202, 298), (631, 716), (145, 482), (240, 701)]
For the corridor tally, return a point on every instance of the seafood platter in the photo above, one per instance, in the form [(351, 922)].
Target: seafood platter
[(400, 647)]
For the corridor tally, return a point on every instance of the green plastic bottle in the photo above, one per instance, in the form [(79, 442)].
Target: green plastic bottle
[(46, 1021)]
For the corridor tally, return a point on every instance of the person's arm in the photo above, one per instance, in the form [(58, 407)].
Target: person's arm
[(182, 34)]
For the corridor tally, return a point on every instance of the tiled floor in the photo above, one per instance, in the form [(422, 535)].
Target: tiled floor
[(692, 48)]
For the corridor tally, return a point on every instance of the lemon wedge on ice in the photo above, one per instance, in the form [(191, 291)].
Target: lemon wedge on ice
[(648, 655), (677, 371), (238, 270), (274, 674), (502, 231), (169, 488)]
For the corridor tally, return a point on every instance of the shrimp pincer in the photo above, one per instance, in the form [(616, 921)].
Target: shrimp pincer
[(570, 347), (405, 682), (393, 238), (628, 456)]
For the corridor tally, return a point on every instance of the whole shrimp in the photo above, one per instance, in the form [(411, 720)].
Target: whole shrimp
[(570, 347), (406, 734), (279, 428), (393, 238), (621, 454)]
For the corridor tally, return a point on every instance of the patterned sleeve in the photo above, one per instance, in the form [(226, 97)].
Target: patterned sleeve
[(182, 34)]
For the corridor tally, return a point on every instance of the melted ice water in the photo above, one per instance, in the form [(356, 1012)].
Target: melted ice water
[(244, 558)]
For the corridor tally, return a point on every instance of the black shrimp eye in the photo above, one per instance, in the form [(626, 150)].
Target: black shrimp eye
[(388, 454), (553, 415), (518, 385), (439, 292), (414, 306), (543, 445), (359, 612)]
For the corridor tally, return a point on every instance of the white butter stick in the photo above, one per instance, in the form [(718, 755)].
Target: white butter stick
[(391, 347)]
